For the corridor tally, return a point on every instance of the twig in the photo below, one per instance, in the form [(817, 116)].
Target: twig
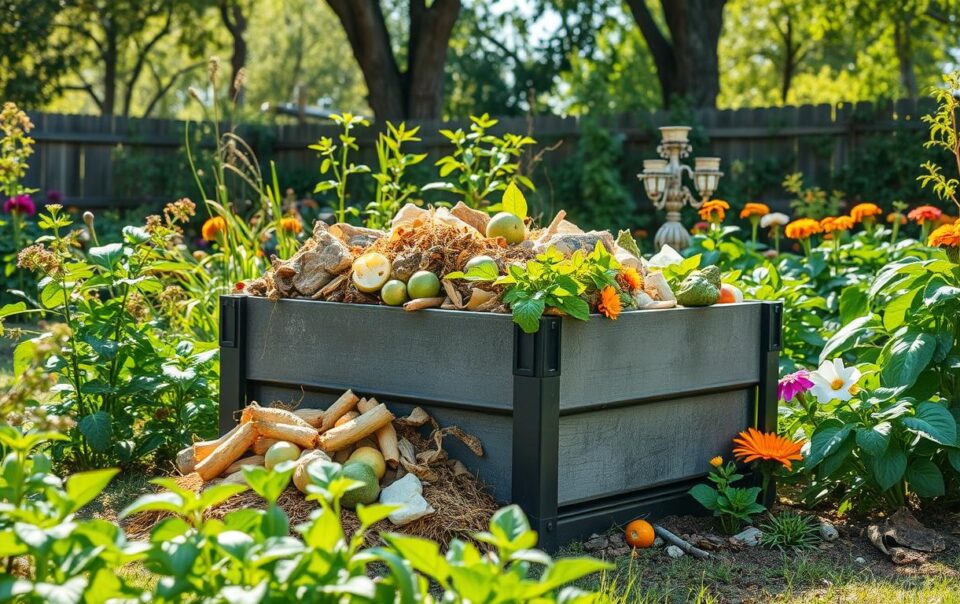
[(666, 535)]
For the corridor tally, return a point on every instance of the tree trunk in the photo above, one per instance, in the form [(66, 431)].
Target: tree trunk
[(904, 47), (231, 13), (789, 60), (394, 95), (687, 64), (110, 56)]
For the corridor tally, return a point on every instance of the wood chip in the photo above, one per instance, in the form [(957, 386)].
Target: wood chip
[(422, 303)]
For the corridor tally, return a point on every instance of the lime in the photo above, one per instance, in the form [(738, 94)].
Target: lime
[(508, 226), (478, 261), (394, 292), (371, 271), (423, 284), (368, 492)]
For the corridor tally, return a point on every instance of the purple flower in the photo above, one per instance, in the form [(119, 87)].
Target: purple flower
[(793, 384), (54, 196), (21, 204)]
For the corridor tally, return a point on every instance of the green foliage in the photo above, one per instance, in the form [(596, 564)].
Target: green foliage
[(944, 135), (392, 192), (481, 163), (789, 530), (811, 202), (335, 159), (553, 281), (589, 185), (732, 506), (249, 554), (134, 388)]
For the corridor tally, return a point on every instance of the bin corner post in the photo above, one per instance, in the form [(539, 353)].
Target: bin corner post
[(536, 426), (771, 324), (233, 370)]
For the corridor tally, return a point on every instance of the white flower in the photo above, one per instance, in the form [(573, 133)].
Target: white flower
[(834, 381), (774, 218)]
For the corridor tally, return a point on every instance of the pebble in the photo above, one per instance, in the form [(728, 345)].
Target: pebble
[(657, 542), (828, 532), (674, 552), (749, 537), (860, 560), (595, 543)]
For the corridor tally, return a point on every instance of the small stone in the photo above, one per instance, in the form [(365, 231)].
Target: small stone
[(657, 542), (749, 537), (828, 532), (595, 543), (860, 560), (674, 552)]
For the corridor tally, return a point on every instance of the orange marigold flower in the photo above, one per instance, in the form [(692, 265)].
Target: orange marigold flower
[(716, 461), (291, 224), (828, 224), (714, 210), (753, 445), (922, 214), (609, 304), (629, 279), (896, 217), (754, 209), (213, 227), (843, 223), (947, 235), (863, 211), (802, 228)]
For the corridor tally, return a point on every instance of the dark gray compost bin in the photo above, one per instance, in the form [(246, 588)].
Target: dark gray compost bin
[(584, 424)]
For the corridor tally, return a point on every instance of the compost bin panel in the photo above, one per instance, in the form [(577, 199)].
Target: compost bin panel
[(495, 431), (659, 353), (456, 357), (614, 451)]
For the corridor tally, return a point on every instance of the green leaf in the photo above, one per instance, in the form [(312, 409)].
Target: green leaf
[(83, 487), (705, 495), (372, 514), (888, 468), (953, 455), (97, 428), (925, 478), (563, 571), (895, 312), (827, 439), (874, 441), (510, 523), (514, 201), (53, 295), (905, 356), (934, 422), (23, 356), (424, 555), (850, 335), (854, 303), (8, 310), (575, 306), (154, 502), (527, 313), (106, 256)]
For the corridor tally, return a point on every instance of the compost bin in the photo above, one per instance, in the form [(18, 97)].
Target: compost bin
[(584, 424)]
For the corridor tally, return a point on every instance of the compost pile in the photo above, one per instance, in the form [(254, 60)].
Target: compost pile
[(399, 461), (407, 264)]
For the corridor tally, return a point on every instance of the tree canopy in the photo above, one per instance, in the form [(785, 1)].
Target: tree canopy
[(400, 59)]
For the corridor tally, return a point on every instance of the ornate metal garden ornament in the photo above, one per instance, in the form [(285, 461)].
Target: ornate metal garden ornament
[(663, 181)]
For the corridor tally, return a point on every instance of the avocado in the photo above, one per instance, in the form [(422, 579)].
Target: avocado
[(697, 290)]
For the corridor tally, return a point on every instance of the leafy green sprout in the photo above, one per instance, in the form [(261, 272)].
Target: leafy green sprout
[(789, 530)]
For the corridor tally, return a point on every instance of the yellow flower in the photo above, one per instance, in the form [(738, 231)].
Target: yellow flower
[(865, 211), (609, 304), (291, 224), (716, 461), (213, 227), (947, 235), (754, 209), (802, 228), (629, 279)]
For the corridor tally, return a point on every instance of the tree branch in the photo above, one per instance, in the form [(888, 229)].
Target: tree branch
[(142, 56), (88, 88), (163, 89)]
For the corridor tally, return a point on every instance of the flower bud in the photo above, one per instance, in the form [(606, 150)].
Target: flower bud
[(88, 219)]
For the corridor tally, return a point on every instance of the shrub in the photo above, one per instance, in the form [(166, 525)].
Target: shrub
[(789, 530), (249, 555)]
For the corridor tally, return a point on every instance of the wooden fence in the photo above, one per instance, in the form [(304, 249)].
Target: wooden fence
[(113, 161)]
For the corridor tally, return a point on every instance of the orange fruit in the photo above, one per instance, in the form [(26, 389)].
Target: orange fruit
[(639, 533)]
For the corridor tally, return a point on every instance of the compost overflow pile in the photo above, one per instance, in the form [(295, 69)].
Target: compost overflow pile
[(388, 455), (464, 259)]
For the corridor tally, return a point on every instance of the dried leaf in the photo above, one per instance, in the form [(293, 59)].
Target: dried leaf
[(418, 417), (422, 472)]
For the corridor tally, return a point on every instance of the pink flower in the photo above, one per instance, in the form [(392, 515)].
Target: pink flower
[(793, 384), (21, 204)]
